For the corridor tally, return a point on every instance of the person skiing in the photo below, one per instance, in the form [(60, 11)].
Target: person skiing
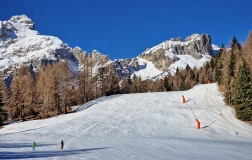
[(62, 144), (33, 146)]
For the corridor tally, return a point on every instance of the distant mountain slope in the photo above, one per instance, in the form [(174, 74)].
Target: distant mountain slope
[(170, 55), (21, 44)]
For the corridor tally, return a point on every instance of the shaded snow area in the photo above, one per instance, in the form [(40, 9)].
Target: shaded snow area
[(147, 69), (182, 61), (146, 126)]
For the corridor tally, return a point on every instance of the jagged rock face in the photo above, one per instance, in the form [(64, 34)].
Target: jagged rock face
[(194, 45), (159, 59), (135, 64), (201, 43), (23, 20), (99, 58), (122, 67), (21, 44), (78, 53)]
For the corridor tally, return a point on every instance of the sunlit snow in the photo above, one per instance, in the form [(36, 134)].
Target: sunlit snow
[(146, 126)]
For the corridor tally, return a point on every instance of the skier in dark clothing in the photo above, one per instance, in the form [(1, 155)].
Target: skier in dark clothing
[(62, 144)]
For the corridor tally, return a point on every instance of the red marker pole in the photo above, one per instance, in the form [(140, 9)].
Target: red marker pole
[(183, 99), (198, 123)]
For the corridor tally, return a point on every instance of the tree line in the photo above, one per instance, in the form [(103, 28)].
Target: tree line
[(233, 74), (55, 88)]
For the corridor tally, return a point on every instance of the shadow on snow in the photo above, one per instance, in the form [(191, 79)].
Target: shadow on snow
[(44, 154)]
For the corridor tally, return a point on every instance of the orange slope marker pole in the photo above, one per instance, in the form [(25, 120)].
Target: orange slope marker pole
[(208, 81), (183, 99), (198, 123)]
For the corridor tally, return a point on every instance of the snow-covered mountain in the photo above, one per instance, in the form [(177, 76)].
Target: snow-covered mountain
[(166, 57), (21, 44)]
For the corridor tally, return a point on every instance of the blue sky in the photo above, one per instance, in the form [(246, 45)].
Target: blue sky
[(125, 28)]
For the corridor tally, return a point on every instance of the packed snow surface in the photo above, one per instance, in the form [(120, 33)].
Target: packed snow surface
[(147, 126)]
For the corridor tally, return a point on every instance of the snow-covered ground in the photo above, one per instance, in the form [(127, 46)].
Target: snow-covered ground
[(182, 61), (147, 126), (147, 69)]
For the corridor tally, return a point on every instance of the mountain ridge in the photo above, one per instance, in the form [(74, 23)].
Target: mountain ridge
[(21, 44)]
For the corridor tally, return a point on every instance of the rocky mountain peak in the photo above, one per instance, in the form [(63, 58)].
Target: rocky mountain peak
[(79, 53), (22, 19), (21, 44), (165, 53), (176, 39), (193, 37)]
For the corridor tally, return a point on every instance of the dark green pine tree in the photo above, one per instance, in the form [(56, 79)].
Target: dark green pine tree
[(221, 50), (2, 113), (212, 63), (129, 78), (218, 72), (197, 77), (187, 68), (218, 66), (243, 94), (192, 75), (235, 43), (135, 86), (177, 71), (166, 84), (231, 65)]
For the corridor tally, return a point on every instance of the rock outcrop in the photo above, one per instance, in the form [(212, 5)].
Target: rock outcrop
[(2, 33), (162, 55), (78, 53)]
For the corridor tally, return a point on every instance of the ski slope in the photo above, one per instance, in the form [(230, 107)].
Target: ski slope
[(147, 126)]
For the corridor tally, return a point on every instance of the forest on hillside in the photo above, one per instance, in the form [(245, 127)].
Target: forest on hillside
[(54, 89)]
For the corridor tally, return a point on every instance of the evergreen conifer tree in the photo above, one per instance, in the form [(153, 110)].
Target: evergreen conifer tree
[(2, 112), (177, 71), (231, 65), (187, 67), (235, 43), (218, 66), (243, 93), (166, 84)]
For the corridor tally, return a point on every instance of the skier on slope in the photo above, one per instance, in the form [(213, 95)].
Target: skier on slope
[(33, 146), (62, 144)]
